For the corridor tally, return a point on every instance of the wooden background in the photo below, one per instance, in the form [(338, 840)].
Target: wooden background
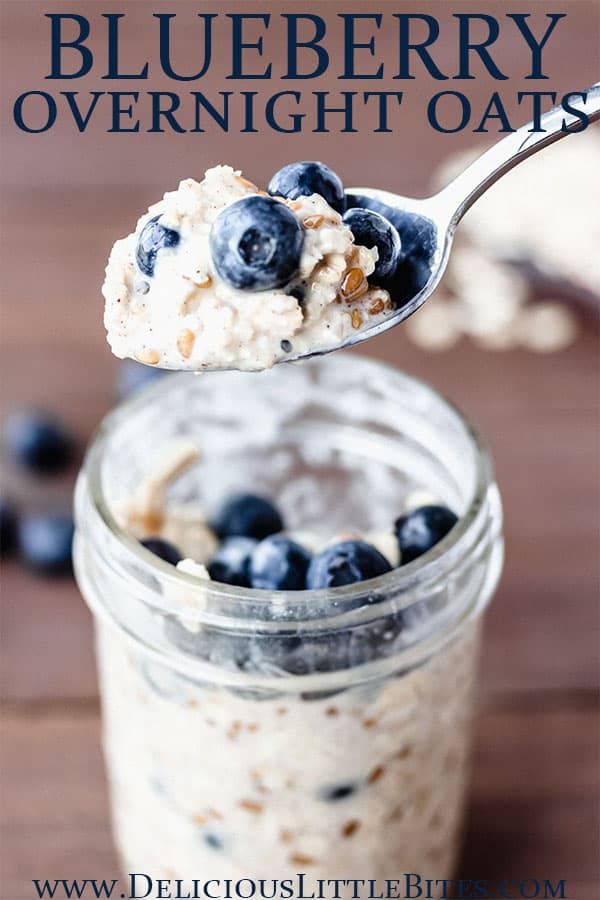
[(534, 801)]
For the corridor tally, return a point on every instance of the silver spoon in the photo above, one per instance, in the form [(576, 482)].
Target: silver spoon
[(427, 225)]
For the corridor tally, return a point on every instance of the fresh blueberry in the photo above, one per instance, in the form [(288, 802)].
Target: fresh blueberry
[(8, 526), (370, 229), (133, 376), (279, 564), (153, 237), (301, 179), (39, 441), (418, 239), (421, 529), (345, 563), (256, 244), (45, 542), (163, 549), (247, 515), (229, 564)]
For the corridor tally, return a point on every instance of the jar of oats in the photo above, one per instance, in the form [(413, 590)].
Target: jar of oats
[(254, 734)]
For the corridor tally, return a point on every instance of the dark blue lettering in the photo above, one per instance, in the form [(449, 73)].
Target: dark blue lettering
[(351, 45), (57, 44), (432, 111), (238, 45), (50, 112)]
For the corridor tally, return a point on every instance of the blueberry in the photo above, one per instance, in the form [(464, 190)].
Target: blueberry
[(213, 841), (421, 529), (229, 564), (45, 542), (153, 237), (301, 179), (249, 516), (279, 564), (38, 440), (8, 526), (418, 238), (336, 792), (297, 293), (370, 229), (163, 549), (256, 244), (133, 376), (345, 563)]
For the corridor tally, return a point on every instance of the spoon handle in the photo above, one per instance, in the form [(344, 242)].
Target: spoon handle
[(503, 156)]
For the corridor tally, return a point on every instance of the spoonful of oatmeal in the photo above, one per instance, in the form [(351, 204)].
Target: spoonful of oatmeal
[(222, 275)]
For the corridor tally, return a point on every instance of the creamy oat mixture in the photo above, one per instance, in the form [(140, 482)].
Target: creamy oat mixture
[(366, 783), (186, 317), (362, 780)]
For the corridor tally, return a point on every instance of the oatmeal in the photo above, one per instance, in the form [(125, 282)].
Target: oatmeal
[(177, 296), (255, 727)]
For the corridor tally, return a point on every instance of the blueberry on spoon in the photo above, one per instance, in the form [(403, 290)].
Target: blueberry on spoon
[(370, 229), (301, 179), (153, 237), (256, 244)]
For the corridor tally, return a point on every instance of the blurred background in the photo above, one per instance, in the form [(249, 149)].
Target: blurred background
[(513, 344)]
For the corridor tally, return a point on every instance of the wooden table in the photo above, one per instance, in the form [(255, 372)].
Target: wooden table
[(534, 798)]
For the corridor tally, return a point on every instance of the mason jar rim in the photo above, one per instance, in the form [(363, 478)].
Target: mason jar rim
[(402, 582)]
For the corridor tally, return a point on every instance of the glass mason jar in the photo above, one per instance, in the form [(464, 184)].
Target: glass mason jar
[(255, 734)]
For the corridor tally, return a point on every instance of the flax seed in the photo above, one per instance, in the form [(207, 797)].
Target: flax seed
[(300, 859), (251, 806), (245, 183), (377, 307), (185, 343), (350, 828), (150, 357), (313, 221), (354, 283), (375, 774)]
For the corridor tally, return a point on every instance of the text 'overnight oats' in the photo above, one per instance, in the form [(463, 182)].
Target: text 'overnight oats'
[(221, 275)]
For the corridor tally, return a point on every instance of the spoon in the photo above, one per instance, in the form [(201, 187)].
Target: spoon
[(427, 226)]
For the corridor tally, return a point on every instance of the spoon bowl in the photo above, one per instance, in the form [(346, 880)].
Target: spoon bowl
[(427, 226)]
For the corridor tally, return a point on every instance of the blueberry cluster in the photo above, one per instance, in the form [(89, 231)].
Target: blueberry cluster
[(255, 553), (256, 242), (42, 445)]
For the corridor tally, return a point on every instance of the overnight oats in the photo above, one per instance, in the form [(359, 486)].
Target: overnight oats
[(288, 574), (222, 275)]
